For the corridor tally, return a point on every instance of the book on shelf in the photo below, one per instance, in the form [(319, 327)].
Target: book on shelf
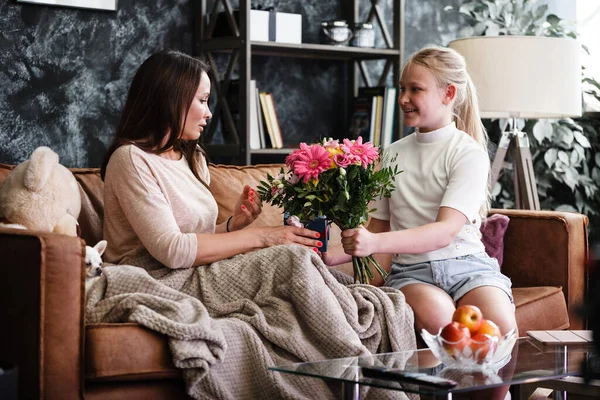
[(262, 96), (390, 102), (382, 101), (274, 121), (254, 142), (376, 133), (271, 122), (261, 119)]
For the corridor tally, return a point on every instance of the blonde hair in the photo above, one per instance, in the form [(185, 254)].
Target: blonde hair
[(449, 68)]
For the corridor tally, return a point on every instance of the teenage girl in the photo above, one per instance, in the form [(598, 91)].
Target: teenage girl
[(430, 225)]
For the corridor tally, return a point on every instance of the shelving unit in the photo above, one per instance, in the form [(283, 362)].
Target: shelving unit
[(241, 50)]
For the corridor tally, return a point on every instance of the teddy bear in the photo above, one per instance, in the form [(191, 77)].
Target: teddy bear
[(41, 194)]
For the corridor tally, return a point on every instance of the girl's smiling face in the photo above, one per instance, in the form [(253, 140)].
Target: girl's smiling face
[(425, 105), (198, 113)]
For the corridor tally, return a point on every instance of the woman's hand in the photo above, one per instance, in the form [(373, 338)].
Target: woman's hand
[(274, 236), (359, 242), (246, 210)]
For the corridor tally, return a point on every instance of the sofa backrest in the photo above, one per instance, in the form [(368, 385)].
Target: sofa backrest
[(227, 183)]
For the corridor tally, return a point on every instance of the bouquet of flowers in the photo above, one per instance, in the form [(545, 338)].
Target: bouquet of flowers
[(336, 181)]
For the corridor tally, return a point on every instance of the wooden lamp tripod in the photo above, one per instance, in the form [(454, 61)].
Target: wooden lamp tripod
[(516, 143)]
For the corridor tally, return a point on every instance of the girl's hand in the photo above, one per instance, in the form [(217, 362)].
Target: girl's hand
[(246, 210), (274, 236), (358, 242)]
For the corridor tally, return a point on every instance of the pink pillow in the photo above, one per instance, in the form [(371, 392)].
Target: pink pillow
[(492, 235)]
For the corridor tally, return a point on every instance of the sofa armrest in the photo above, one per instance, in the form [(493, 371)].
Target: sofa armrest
[(42, 292), (548, 248)]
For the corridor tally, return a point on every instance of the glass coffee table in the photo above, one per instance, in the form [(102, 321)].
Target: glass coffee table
[(530, 362)]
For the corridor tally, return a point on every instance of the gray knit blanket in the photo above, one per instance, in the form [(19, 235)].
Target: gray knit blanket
[(229, 321)]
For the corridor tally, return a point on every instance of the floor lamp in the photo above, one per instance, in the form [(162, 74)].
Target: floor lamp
[(522, 77)]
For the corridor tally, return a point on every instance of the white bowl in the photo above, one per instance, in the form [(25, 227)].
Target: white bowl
[(470, 354)]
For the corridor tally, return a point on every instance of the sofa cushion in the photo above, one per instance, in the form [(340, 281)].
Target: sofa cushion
[(492, 235), (540, 308), (126, 352), (91, 188), (228, 179)]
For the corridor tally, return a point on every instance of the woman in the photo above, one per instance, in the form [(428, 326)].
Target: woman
[(159, 210)]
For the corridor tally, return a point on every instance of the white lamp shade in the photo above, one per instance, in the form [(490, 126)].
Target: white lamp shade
[(524, 76)]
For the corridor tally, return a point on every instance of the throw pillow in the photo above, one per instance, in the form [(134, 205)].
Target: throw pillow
[(492, 235)]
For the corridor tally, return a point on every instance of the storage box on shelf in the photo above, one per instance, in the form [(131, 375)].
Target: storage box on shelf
[(243, 47), (264, 26)]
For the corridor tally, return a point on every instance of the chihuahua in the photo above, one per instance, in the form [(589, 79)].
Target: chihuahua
[(93, 260)]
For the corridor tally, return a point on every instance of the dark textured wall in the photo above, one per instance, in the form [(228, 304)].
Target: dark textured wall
[(64, 72)]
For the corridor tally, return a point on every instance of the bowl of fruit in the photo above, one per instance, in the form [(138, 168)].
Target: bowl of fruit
[(471, 341)]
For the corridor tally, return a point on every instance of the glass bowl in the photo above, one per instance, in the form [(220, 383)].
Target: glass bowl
[(470, 354)]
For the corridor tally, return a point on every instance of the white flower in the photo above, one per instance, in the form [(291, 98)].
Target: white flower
[(294, 221)]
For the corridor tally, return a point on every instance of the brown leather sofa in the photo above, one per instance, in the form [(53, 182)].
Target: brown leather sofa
[(42, 296)]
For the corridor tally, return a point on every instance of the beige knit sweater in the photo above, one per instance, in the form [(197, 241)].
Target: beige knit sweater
[(152, 209)]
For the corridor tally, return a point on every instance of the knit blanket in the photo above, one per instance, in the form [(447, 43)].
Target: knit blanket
[(229, 321)]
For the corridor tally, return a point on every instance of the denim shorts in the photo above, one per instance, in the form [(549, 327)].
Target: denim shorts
[(456, 276)]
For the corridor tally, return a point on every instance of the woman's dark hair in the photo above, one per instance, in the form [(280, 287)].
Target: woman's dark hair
[(159, 98)]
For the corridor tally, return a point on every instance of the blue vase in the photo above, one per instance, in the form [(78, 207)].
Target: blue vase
[(318, 225)]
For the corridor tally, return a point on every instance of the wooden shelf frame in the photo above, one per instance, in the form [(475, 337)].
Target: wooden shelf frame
[(240, 51)]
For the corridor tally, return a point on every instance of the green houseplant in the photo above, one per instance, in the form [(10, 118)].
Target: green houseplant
[(566, 152)]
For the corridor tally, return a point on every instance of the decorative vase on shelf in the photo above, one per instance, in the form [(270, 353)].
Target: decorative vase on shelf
[(319, 224)]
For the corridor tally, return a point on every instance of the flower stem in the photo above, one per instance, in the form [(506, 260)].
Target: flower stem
[(380, 270), (362, 269)]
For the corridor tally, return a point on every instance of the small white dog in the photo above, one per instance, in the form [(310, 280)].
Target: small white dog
[(93, 260)]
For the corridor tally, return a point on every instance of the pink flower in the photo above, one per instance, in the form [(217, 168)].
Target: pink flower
[(331, 144), (275, 191), (291, 159), (365, 152), (311, 161), (342, 160)]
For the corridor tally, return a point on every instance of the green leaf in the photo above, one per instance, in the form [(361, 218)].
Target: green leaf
[(562, 156), (550, 157), (566, 208), (497, 189), (570, 177), (574, 159), (565, 134), (552, 19), (542, 129), (596, 174), (582, 140), (493, 9), (468, 8), (592, 82), (580, 150)]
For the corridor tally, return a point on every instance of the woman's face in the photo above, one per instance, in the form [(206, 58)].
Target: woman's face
[(198, 112)]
